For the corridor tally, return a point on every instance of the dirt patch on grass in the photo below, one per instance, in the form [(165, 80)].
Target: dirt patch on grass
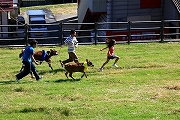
[(173, 87)]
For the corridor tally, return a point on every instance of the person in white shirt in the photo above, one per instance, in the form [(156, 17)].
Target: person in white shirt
[(72, 43)]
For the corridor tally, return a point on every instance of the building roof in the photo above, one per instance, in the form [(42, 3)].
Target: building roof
[(6, 5), (177, 4)]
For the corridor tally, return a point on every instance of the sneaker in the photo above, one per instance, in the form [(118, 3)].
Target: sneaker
[(17, 79), (115, 65), (32, 77), (61, 63), (100, 69), (40, 77)]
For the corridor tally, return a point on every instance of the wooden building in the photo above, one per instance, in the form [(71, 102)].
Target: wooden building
[(6, 6), (127, 10)]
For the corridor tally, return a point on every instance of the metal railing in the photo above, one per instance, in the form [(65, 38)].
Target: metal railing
[(126, 32)]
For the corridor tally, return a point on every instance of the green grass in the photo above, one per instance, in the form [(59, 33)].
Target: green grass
[(146, 86), (68, 8)]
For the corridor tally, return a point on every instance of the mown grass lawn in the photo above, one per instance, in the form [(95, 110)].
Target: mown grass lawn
[(68, 8), (146, 85)]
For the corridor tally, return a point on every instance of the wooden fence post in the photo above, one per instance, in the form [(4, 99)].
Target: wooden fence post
[(26, 37), (129, 32), (61, 32), (162, 31), (95, 33)]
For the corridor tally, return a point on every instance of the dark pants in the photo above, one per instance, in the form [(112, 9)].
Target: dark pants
[(72, 57), (28, 67)]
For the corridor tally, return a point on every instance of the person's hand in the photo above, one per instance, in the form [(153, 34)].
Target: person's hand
[(100, 49), (76, 45)]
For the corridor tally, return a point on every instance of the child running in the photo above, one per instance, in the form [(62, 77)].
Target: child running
[(72, 43), (110, 54), (28, 60)]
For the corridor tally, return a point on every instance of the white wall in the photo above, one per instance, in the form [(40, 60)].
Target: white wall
[(4, 22), (97, 5), (127, 10)]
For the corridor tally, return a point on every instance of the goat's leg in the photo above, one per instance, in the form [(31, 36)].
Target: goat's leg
[(66, 74), (50, 65), (70, 75), (83, 75)]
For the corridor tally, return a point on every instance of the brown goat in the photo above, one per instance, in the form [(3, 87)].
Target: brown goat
[(42, 56), (77, 67)]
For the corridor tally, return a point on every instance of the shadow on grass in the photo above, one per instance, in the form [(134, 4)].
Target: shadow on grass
[(42, 72), (27, 82), (66, 80), (63, 111), (14, 82), (7, 82)]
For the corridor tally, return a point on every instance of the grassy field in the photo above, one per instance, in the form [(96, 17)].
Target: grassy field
[(145, 86), (69, 8)]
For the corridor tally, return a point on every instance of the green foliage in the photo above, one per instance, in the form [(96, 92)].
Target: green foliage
[(144, 86)]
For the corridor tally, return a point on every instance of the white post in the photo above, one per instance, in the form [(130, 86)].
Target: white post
[(5, 22)]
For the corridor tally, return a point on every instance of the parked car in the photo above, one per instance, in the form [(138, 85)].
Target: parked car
[(20, 29)]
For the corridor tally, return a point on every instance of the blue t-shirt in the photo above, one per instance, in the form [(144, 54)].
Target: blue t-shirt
[(27, 54)]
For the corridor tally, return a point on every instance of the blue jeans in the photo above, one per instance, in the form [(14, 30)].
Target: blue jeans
[(28, 67)]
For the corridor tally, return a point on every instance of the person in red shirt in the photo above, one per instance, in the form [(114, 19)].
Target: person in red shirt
[(110, 54)]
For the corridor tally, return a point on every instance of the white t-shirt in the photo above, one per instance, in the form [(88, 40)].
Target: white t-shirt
[(72, 43)]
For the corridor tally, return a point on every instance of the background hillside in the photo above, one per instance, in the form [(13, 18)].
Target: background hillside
[(69, 8)]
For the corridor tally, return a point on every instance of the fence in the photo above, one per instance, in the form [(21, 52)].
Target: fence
[(126, 33)]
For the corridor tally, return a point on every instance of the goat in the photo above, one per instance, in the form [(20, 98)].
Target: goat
[(42, 56), (77, 67)]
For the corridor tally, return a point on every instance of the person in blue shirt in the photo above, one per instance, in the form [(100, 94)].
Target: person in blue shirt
[(28, 60)]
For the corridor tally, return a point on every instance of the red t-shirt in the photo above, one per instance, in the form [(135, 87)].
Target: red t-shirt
[(111, 51)]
